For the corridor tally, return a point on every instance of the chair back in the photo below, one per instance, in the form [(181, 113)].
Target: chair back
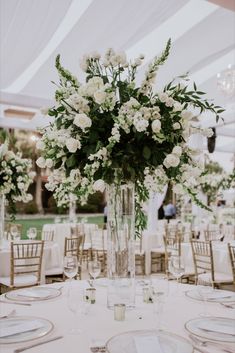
[(212, 235), (48, 235), (10, 226), (74, 246), (231, 250), (26, 259), (202, 257)]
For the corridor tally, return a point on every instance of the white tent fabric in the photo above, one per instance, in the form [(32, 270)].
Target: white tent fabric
[(33, 32)]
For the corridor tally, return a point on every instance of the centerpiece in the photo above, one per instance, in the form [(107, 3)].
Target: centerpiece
[(111, 131), (15, 178)]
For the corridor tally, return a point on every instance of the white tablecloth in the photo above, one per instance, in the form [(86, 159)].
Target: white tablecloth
[(51, 259), (99, 324), (221, 258)]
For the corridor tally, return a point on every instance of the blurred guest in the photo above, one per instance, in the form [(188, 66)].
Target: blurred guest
[(170, 211)]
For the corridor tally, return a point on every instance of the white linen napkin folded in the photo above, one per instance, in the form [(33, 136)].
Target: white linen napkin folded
[(217, 327), (20, 328), (33, 293), (147, 344)]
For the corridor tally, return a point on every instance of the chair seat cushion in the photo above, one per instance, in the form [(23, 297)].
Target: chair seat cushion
[(20, 280), (219, 278), (54, 271)]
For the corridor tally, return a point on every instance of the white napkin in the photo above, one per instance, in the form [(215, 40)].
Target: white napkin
[(217, 327), (147, 344), (33, 293), (19, 328)]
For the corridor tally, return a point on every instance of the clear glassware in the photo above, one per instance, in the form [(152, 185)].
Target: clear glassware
[(204, 291), (94, 268), (14, 231), (160, 286), (32, 233), (70, 266), (176, 268), (75, 305)]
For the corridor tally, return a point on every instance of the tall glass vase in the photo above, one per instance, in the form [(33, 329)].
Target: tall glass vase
[(121, 245), (2, 218)]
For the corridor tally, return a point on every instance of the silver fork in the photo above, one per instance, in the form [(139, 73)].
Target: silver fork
[(204, 343)]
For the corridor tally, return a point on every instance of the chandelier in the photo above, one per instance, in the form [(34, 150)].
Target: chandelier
[(226, 81)]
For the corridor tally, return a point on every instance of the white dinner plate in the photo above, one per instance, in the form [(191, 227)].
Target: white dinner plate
[(168, 342), (216, 296), (33, 294), (40, 328), (213, 328)]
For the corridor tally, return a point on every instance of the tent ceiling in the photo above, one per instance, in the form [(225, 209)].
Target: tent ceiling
[(33, 32)]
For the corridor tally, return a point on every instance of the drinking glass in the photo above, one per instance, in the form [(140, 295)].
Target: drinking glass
[(94, 268), (70, 266), (32, 233), (75, 303), (160, 287), (176, 268), (204, 290), (14, 232)]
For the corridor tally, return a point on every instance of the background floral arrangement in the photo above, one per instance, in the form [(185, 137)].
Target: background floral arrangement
[(15, 176), (109, 123)]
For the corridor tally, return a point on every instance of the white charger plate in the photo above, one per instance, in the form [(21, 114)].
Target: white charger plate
[(33, 294), (215, 296), (203, 327), (169, 342), (47, 327)]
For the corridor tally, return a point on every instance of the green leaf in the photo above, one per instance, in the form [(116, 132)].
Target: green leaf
[(194, 86), (71, 161), (146, 152)]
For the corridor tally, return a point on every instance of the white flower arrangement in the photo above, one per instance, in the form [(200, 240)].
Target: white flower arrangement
[(15, 176), (109, 123)]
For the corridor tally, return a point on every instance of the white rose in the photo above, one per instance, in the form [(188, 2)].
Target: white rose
[(186, 114), (177, 150), (72, 145), (99, 185), (163, 97), (171, 160), (177, 107), (49, 163), (41, 162), (176, 126), (169, 102), (40, 145), (141, 124), (156, 126), (82, 121), (100, 97)]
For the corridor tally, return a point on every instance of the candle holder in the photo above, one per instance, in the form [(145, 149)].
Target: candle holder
[(90, 295), (148, 295), (119, 312)]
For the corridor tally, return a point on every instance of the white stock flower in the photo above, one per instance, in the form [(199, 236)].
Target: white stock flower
[(177, 150), (156, 126), (72, 145), (171, 160), (176, 126), (82, 121), (41, 162), (99, 185)]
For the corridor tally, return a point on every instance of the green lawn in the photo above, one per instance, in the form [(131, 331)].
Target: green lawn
[(39, 222)]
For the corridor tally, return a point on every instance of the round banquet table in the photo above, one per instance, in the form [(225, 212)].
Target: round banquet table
[(99, 325), (51, 258)]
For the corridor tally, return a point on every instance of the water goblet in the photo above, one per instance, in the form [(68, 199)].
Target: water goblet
[(75, 303), (70, 266), (14, 231), (176, 268), (94, 268)]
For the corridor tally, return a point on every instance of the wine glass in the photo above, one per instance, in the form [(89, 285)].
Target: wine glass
[(70, 266), (176, 268), (205, 291), (94, 268), (32, 233), (14, 232), (74, 303), (160, 294)]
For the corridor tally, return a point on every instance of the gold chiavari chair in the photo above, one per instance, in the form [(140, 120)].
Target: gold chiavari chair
[(231, 250), (99, 247), (8, 229), (212, 235), (74, 246), (25, 265), (48, 235), (203, 261)]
